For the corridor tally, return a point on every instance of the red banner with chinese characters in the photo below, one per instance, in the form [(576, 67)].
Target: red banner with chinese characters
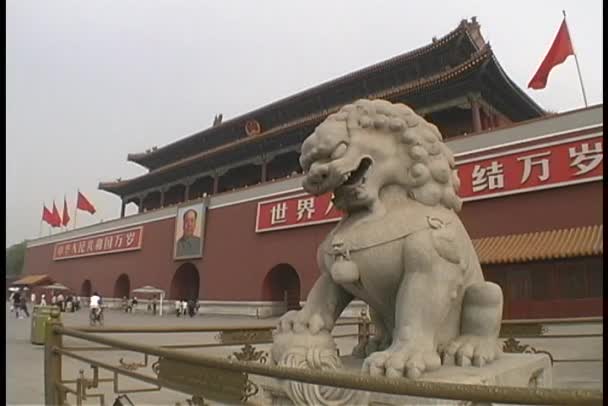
[(295, 211), (522, 169), (107, 243), (553, 164)]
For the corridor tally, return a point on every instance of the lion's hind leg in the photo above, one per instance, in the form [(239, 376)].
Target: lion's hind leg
[(479, 327)]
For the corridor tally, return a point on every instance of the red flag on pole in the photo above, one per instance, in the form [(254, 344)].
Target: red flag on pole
[(560, 50), (56, 216), (66, 216), (84, 204), (47, 216)]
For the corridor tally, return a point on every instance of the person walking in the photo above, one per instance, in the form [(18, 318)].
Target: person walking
[(17, 304), (191, 305), (61, 302), (154, 305), (178, 308), (23, 305), (133, 304), (43, 300)]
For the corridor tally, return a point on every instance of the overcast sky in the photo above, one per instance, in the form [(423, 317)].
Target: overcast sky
[(90, 81)]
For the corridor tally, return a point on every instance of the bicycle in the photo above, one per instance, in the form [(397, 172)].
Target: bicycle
[(96, 316)]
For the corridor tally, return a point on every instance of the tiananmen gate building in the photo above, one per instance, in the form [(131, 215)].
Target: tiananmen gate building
[(223, 219)]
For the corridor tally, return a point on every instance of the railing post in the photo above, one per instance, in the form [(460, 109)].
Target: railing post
[(363, 327), (53, 395)]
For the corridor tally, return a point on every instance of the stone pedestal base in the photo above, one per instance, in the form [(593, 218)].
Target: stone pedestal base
[(522, 370)]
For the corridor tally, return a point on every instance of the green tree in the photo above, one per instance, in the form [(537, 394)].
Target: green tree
[(15, 255)]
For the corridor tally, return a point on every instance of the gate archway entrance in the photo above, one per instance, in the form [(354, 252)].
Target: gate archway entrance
[(185, 283), (282, 284), (122, 286), (86, 289)]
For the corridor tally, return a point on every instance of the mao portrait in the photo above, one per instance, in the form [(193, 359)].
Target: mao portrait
[(189, 231)]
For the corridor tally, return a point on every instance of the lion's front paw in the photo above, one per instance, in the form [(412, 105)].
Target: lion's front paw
[(407, 360), (300, 321), (471, 350)]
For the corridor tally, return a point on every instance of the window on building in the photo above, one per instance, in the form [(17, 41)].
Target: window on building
[(519, 283), (541, 279), (595, 276), (572, 282)]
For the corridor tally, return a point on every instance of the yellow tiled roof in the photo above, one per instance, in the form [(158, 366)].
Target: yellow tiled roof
[(31, 280), (543, 245)]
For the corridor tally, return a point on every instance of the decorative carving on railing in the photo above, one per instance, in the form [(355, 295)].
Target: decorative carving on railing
[(131, 366), (240, 336), (156, 367), (194, 401), (512, 345), (248, 353)]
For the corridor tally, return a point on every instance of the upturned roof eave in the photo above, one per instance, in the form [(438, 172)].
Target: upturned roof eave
[(412, 87), (146, 158), (517, 90)]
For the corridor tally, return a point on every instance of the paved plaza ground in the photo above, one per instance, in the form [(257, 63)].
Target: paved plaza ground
[(25, 364)]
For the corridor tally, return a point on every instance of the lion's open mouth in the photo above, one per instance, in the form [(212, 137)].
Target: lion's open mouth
[(357, 176)]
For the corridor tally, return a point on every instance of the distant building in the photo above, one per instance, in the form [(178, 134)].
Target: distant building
[(543, 245)]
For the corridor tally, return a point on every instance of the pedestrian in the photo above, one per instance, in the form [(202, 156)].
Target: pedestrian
[(69, 304), (133, 304), (53, 300), (42, 300), (184, 306), (191, 305), (33, 298), (154, 305), (10, 300), (178, 307), (17, 304), (23, 305), (61, 302)]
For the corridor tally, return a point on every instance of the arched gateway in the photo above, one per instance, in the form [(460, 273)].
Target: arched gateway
[(282, 284), (185, 283), (86, 289), (122, 286)]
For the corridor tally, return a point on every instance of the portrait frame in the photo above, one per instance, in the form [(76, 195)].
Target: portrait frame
[(180, 252)]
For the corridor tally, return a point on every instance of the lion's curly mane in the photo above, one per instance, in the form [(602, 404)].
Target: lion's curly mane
[(432, 178)]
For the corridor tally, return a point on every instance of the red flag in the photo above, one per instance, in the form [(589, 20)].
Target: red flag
[(56, 216), (47, 215), (66, 216), (560, 50), (84, 204)]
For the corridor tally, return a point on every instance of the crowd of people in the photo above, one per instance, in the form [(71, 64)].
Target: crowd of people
[(19, 302), (129, 305), (186, 307), (69, 303)]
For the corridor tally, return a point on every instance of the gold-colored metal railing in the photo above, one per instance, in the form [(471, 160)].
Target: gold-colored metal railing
[(232, 370), (512, 330)]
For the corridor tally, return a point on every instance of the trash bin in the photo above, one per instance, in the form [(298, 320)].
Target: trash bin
[(40, 315)]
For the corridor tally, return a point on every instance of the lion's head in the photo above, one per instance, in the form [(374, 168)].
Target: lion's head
[(371, 144)]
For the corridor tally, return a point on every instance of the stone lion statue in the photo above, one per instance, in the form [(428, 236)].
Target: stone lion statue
[(400, 247)]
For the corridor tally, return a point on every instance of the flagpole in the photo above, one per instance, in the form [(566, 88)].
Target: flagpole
[(76, 210), (50, 226), (578, 68), (40, 228)]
